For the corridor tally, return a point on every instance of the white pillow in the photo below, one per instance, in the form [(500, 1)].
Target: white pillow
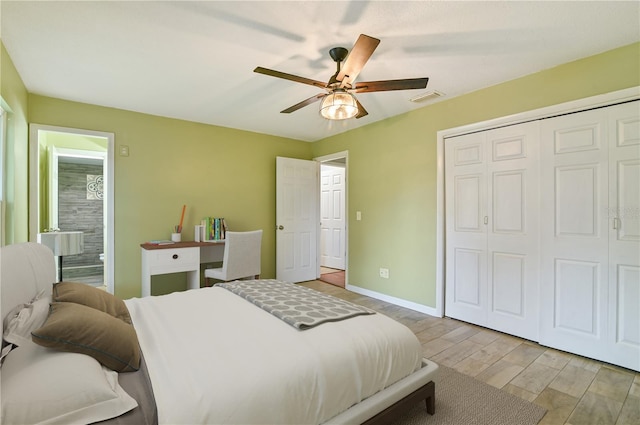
[(43, 386), (21, 322)]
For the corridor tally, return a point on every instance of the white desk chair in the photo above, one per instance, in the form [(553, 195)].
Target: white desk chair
[(241, 257)]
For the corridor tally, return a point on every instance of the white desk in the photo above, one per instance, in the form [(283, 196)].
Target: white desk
[(178, 257)]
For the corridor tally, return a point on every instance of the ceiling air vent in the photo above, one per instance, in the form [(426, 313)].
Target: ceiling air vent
[(430, 95)]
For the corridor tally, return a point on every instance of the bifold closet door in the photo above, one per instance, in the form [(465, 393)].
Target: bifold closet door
[(624, 234), (466, 231), (590, 283), (491, 191)]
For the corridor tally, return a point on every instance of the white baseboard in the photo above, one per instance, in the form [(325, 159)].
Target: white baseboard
[(393, 300)]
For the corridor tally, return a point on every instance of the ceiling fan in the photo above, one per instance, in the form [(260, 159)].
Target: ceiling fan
[(338, 102)]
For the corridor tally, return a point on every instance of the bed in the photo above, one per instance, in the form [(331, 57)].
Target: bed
[(214, 355)]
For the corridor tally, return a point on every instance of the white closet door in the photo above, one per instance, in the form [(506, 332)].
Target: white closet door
[(512, 238), (623, 216), (466, 245), (575, 268), (492, 229), (590, 286)]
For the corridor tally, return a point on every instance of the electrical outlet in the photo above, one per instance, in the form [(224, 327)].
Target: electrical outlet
[(384, 273), (124, 150)]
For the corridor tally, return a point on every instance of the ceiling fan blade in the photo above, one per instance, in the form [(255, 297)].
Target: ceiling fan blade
[(304, 103), (387, 85), (290, 77), (358, 57), (361, 111)]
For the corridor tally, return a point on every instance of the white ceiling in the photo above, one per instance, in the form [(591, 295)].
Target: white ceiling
[(195, 60)]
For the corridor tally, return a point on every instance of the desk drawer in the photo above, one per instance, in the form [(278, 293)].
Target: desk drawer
[(174, 258)]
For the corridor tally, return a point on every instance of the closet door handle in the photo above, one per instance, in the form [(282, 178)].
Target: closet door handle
[(486, 219), (615, 223)]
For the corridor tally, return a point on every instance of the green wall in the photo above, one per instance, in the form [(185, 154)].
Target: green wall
[(392, 168), (213, 170), (14, 98), (230, 173)]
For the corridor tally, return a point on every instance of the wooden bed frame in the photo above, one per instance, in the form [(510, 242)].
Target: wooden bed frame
[(386, 405), (388, 415)]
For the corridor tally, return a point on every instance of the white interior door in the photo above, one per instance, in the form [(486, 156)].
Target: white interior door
[(332, 211), (296, 219)]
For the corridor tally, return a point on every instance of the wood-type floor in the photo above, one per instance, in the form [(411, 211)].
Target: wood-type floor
[(574, 390), (332, 276)]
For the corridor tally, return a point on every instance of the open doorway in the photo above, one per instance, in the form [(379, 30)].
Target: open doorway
[(333, 218), (71, 186)]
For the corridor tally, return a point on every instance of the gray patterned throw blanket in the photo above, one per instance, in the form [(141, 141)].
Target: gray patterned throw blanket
[(299, 306)]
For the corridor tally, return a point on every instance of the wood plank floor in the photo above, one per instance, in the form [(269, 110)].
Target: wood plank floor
[(574, 390), (332, 276)]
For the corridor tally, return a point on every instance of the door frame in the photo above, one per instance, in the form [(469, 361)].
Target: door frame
[(591, 102), (326, 158), (109, 194)]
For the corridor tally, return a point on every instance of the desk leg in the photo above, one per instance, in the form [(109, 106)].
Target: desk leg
[(145, 289), (193, 279), (146, 284)]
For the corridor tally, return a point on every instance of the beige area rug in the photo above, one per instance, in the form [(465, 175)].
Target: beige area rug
[(463, 400)]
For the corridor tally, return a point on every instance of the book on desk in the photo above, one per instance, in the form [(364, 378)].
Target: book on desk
[(213, 229), (161, 242)]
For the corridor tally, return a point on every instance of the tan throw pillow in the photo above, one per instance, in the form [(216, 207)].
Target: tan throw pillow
[(77, 328), (81, 293)]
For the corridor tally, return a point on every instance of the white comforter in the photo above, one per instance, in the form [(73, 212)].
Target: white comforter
[(215, 358)]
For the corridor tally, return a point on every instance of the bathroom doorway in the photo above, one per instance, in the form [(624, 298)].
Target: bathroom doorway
[(72, 190), (77, 182)]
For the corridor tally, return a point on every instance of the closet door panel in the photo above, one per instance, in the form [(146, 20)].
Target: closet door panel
[(577, 190), (492, 229), (509, 202), (628, 313), (513, 233), (508, 284), (576, 303), (468, 193), (574, 293), (628, 201), (466, 258), (467, 281), (624, 234)]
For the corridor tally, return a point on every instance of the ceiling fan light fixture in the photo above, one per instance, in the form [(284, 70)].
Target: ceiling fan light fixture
[(339, 105)]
